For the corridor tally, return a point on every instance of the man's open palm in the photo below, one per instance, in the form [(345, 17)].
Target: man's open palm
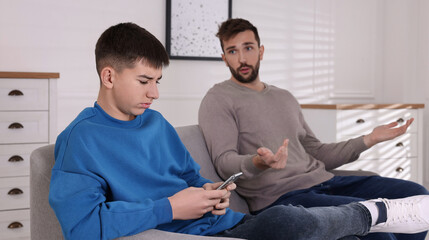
[(386, 132), (276, 161)]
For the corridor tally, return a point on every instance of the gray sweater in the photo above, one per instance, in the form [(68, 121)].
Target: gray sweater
[(236, 121)]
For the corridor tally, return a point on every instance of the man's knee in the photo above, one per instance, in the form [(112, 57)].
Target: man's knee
[(279, 211), (296, 222), (287, 215)]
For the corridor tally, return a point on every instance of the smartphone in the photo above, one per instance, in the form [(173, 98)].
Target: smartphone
[(230, 180)]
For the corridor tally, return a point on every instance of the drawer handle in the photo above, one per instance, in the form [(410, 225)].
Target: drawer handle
[(399, 170), (15, 225), (15, 191), (16, 158), (360, 120), (15, 93), (400, 120), (399, 144), (15, 126)]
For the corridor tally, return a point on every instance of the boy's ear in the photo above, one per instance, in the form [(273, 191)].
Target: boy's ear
[(106, 76)]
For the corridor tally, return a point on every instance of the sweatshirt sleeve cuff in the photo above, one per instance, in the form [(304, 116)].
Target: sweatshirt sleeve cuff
[(162, 210), (249, 168), (360, 145)]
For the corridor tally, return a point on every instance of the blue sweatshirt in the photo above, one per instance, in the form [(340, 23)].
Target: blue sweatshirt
[(112, 178)]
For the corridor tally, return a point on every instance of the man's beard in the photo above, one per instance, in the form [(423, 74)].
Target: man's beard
[(253, 75)]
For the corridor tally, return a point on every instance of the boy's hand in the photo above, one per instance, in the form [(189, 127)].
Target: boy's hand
[(193, 203), (220, 208)]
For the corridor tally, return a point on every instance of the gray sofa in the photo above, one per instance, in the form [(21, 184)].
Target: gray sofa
[(45, 226)]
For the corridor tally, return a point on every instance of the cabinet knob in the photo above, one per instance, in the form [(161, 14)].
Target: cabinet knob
[(360, 120), (15, 93), (15, 125), (399, 169), (399, 144), (16, 158), (15, 225), (15, 191), (400, 120)]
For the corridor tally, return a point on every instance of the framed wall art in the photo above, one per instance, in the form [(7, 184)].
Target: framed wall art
[(192, 26)]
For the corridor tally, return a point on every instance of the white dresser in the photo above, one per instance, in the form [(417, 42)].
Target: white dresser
[(401, 157), (27, 121)]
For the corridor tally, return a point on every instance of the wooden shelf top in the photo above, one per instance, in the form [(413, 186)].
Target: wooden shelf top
[(363, 106), (29, 75)]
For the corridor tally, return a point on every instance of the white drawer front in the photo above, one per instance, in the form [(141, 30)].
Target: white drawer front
[(395, 168), (15, 224), (15, 159), (359, 122), (356, 122), (24, 127), (400, 115), (24, 94), (14, 193)]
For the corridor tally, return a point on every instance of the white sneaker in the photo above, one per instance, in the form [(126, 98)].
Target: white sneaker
[(405, 215)]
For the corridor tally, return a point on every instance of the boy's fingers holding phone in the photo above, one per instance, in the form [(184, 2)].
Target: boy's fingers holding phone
[(231, 187), (220, 208), (219, 211), (212, 186)]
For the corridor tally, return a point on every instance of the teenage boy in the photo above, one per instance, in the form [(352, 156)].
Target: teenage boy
[(258, 129), (121, 168)]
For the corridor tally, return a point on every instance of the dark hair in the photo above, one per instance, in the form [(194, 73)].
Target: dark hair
[(122, 45), (232, 27)]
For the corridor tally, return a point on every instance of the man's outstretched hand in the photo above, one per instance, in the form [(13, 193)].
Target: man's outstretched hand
[(386, 132), (265, 158)]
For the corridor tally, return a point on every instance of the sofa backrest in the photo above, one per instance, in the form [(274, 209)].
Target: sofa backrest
[(193, 139)]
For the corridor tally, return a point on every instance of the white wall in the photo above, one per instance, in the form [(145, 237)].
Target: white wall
[(422, 73), (329, 51), (60, 36), (406, 59)]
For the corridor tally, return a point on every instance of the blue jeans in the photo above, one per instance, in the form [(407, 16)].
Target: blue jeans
[(296, 223), (346, 189)]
